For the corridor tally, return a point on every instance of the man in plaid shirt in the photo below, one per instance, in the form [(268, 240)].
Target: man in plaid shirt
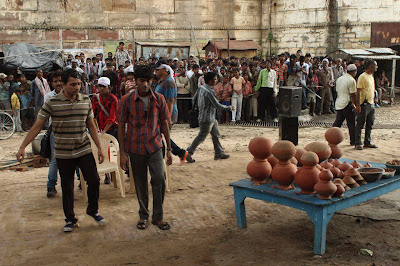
[(147, 116)]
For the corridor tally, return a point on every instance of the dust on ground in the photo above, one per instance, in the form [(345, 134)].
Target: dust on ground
[(200, 209)]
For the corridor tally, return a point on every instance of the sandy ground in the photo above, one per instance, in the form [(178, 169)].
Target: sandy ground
[(200, 208)]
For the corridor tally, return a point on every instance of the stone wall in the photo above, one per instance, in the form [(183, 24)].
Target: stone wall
[(307, 25)]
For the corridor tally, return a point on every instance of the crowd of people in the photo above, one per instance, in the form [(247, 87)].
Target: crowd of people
[(138, 101)]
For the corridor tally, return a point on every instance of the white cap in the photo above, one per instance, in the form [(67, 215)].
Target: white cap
[(325, 60), (104, 81), (191, 55), (74, 61), (3, 76), (351, 67), (175, 59)]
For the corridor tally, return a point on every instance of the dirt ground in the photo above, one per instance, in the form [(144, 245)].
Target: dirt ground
[(200, 208)]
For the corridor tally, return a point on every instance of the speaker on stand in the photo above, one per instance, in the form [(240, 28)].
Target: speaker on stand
[(289, 112)]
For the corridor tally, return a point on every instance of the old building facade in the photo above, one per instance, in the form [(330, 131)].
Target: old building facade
[(317, 26)]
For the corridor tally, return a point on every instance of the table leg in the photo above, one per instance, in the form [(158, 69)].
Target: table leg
[(320, 218), (240, 208)]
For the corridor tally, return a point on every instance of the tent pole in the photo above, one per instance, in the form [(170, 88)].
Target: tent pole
[(394, 74)]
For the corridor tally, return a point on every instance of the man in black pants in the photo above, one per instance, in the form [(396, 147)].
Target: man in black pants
[(346, 90), (268, 89), (71, 114)]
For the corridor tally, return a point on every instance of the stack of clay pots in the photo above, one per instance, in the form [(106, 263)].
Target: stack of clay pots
[(259, 168), (356, 164), (339, 181), (353, 173), (321, 149), (308, 175), (284, 171), (325, 187), (334, 136)]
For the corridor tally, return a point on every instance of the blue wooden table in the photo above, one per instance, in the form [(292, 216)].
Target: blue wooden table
[(320, 211)]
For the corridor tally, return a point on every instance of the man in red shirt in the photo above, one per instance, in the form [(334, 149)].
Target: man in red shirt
[(147, 116), (105, 106)]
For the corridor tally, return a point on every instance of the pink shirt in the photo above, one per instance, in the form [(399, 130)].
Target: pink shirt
[(238, 85)]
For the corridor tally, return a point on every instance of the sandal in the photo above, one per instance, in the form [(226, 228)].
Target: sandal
[(359, 147), (161, 225), (372, 146), (141, 224)]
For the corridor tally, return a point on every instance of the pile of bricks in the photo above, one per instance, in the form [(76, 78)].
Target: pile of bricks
[(39, 161)]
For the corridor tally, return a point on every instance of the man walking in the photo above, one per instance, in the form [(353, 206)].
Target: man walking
[(147, 116), (71, 114), (208, 104), (56, 85), (346, 101), (365, 108)]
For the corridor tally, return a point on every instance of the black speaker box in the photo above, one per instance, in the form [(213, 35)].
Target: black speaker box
[(290, 101)]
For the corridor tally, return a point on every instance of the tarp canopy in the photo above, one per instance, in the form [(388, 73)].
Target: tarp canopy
[(28, 57)]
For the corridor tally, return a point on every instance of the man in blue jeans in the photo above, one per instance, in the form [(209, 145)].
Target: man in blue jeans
[(56, 87)]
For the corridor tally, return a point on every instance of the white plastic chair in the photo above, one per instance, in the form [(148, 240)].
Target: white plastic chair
[(107, 166), (166, 167)]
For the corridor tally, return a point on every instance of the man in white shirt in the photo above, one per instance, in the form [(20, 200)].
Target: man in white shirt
[(346, 90)]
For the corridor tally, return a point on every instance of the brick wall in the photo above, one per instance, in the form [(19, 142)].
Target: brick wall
[(295, 24)]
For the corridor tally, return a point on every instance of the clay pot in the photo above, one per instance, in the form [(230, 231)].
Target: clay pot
[(341, 174), (356, 164), (353, 173), (283, 173), (339, 181), (339, 192), (272, 160), (321, 149), (325, 188), (319, 166), (283, 150), (260, 147), (259, 170), (334, 135), (337, 152), (367, 165), (355, 185), (298, 154), (335, 171), (307, 176), (336, 162), (294, 161), (344, 166), (326, 165), (348, 180)]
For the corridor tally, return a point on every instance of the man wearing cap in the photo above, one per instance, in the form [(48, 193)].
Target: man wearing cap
[(365, 106), (345, 102), (74, 66), (105, 105), (167, 87), (121, 55), (5, 103)]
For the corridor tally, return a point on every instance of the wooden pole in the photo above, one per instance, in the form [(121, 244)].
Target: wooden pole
[(394, 65), (229, 51), (194, 36)]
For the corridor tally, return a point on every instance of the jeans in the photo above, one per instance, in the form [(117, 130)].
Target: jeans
[(237, 103), (176, 150), (253, 107), (367, 117), (140, 165), (348, 114), (325, 101), (205, 129), (87, 164), (184, 107), (53, 169), (266, 100), (17, 120)]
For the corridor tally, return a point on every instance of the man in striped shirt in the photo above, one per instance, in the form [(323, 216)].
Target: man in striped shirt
[(71, 114)]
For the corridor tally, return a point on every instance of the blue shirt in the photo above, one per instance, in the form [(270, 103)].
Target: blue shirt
[(25, 100), (169, 90)]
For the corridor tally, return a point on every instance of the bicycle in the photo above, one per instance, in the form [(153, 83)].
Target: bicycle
[(7, 125)]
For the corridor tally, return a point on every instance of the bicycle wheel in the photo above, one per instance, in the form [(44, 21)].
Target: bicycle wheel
[(7, 126)]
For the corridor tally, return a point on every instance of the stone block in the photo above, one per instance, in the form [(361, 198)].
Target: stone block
[(125, 20), (78, 19), (244, 21), (11, 36), (125, 35), (103, 34), (42, 19), (376, 14), (155, 6), (168, 20), (52, 35), (9, 19), (74, 35), (24, 5), (126, 6), (107, 5), (200, 21), (141, 35), (51, 6)]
